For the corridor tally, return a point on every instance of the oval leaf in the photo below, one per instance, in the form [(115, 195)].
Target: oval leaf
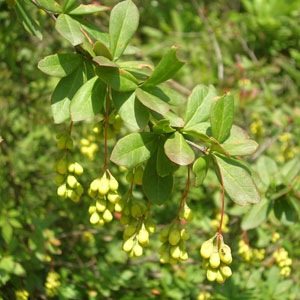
[(157, 189), (256, 215), (119, 80), (221, 117), (178, 151), (168, 66), (88, 100), (152, 102), (60, 65), (85, 9), (124, 20), (134, 149), (198, 105), (239, 143), (131, 110), (237, 181), (69, 28)]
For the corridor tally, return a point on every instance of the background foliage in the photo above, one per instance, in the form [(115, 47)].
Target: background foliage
[(248, 47)]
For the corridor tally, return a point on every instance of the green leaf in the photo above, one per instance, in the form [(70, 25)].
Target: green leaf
[(237, 181), (124, 21), (131, 110), (152, 102), (105, 62), (200, 168), (157, 189), (163, 126), (267, 170), (119, 80), (168, 66), (86, 9), (290, 170), (284, 212), (256, 215), (15, 223), (27, 21), (69, 28), (163, 165), (7, 232), (239, 143), (101, 50), (69, 5), (134, 149), (199, 104), (200, 131), (50, 5), (174, 120), (94, 31), (66, 89), (60, 65), (88, 100), (221, 117), (7, 264), (178, 151)]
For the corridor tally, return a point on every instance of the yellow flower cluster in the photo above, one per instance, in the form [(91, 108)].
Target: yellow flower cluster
[(105, 191), (287, 150), (89, 147), (215, 223), (275, 237), (256, 127), (250, 254), (283, 261), (216, 260), (204, 296), (52, 284), (21, 295)]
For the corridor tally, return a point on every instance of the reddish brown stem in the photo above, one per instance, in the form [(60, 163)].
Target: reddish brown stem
[(185, 193), (105, 130), (70, 128), (222, 208)]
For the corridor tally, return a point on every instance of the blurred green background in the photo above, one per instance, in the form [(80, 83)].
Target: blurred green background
[(251, 48)]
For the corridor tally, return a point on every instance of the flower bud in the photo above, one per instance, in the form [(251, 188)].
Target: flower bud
[(72, 181), (175, 252), (94, 218), (103, 187), (138, 250), (113, 197), (220, 278), (214, 260), (128, 245), (206, 249), (174, 237), (107, 216), (225, 254), (113, 184), (143, 237), (211, 274), (226, 271)]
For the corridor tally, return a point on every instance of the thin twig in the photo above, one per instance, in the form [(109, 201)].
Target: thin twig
[(213, 39), (180, 88), (51, 14), (202, 149)]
